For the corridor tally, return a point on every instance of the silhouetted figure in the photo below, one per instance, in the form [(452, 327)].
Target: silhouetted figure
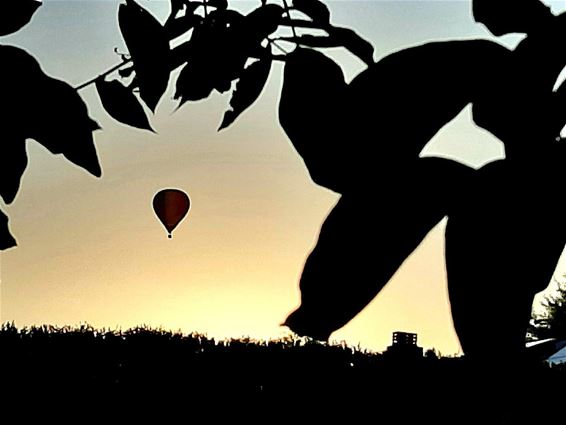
[(355, 255), (371, 149), (495, 263)]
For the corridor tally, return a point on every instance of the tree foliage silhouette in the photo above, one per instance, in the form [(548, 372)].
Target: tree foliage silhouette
[(16, 14), (223, 47), (26, 112)]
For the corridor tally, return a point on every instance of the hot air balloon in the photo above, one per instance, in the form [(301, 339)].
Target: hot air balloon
[(171, 206)]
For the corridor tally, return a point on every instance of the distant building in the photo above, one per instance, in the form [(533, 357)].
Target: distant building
[(404, 346)]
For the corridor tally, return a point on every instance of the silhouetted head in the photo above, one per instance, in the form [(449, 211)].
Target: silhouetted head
[(504, 17), (309, 69), (311, 112)]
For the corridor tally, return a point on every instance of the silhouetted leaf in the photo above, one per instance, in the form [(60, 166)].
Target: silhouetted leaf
[(262, 21), (126, 72), (218, 4), (195, 80), (50, 111), (6, 238), (121, 103), (148, 44), (231, 51), (338, 37), (216, 54), (353, 42), (66, 129), (176, 7), (179, 26), (181, 54), (15, 14), (13, 162), (248, 89), (194, 83), (229, 17), (317, 41), (314, 9)]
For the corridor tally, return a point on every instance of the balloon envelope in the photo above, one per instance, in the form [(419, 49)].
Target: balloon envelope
[(171, 206)]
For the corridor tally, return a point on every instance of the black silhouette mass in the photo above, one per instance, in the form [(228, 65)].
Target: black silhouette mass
[(361, 139)]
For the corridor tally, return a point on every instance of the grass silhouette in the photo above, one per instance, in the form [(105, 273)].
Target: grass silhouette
[(157, 362)]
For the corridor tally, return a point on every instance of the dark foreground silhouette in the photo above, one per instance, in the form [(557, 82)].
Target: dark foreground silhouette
[(503, 239), (362, 139), (301, 378)]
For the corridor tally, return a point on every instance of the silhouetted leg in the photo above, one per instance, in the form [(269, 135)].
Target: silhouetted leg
[(367, 236), (490, 303), (502, 246)]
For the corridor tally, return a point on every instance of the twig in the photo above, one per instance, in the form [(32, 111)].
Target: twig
[(277, 46), (279, 58), (302, 23), (287, 9), (104, 74), (174, 65)]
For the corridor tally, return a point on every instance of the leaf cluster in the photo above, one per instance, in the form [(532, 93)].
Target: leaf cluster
[(224, 50), (216, 48), (27, 96)]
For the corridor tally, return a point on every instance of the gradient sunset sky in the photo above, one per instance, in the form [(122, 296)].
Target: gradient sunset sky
[(91, 250)]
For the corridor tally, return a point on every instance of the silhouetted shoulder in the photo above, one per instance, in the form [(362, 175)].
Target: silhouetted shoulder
[(408, 96), (448, 61)]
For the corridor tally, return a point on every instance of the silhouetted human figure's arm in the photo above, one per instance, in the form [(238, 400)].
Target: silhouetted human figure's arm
[(517, 103), (367, 236), (396, 106), (354, 135)]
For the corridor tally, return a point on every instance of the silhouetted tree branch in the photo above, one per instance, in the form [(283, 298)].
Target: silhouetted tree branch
[(104, 74)]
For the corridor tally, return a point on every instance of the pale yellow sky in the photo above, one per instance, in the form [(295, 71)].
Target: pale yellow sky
[(92, 250)]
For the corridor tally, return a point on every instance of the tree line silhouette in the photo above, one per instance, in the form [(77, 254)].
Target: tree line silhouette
[(360, 139)]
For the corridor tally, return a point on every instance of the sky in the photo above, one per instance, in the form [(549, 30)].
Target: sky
[(92, 251)]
